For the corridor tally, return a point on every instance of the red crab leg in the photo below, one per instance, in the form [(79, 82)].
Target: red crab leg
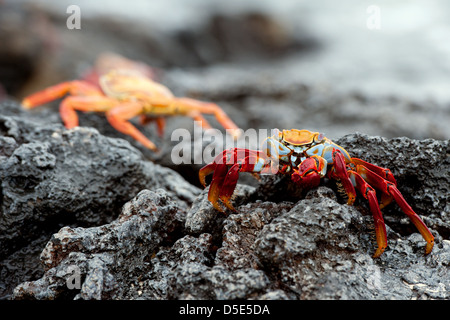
[(216, 183), (249, 164), (382, 172), (229, 157), (229, 185), (118, 117), (58, 91), (370, 194), (390, 189), (340, 173), (225, 179)]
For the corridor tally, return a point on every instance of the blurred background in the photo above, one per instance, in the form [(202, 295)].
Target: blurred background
[(378, 67)]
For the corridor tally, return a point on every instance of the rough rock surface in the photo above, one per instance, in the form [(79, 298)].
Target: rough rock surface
[(314, 247), (52, 177)]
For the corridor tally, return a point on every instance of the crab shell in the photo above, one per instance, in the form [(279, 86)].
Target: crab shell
[(292, 147)]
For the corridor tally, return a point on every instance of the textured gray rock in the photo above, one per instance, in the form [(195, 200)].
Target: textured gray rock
[(169, 243), (53, 177), (314, 249), (322, 250), (108, 256)]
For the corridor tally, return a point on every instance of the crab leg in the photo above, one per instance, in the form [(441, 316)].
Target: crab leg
[(81, 88), (382, 172), (197, 116), (83, 103), (160, 122), (118, 117), (340, 173), (226, 168), (229, 157), (370, 194), (192, 107), (216, 185), (391, 190)]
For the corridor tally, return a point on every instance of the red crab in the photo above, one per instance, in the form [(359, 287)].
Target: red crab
[(307, 157)]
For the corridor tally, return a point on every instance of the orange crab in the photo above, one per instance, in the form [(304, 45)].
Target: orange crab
[(125, 90), (307, 157)]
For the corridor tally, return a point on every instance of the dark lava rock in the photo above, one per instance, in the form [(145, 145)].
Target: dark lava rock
[(169, 242), (314, 249), (52, 177), (105, 257)]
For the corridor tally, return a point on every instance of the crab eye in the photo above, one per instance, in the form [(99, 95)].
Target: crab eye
[(277, 134), (319, 137)]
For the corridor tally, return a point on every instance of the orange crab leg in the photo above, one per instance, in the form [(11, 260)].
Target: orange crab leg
[(86, 104), (390, 189), (58, 91), (197, 116), (160, 122), (192, 107), (118, 117), (370, 194)]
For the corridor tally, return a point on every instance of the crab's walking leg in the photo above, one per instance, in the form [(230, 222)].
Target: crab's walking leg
[(370, 194), (197, 116), (160, 122), (226, 168), (192, 107), (83, 103), (216, 185), (58, 91), (390, 189), (340, 173), (80, 89), (118, 117), (382, 172)]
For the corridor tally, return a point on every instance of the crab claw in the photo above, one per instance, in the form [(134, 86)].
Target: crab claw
[(309, 172)]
